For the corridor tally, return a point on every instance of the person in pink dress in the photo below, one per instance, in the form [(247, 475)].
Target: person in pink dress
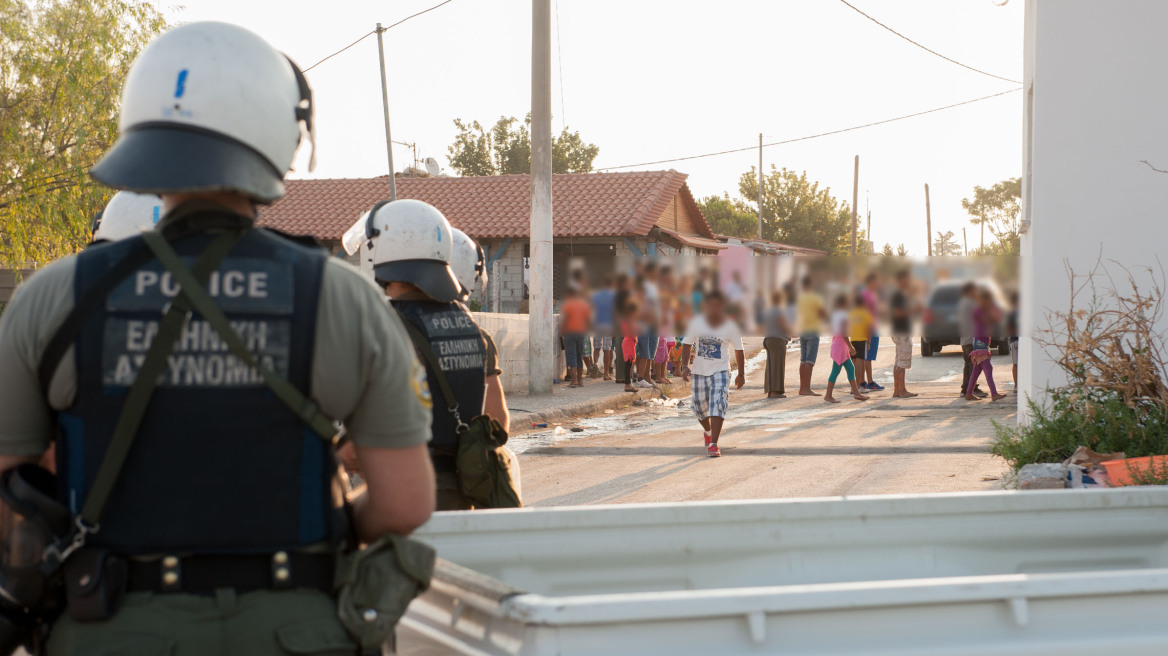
[(841, 352), (985, 317)]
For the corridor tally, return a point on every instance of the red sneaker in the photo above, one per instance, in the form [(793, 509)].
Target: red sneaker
[(714, 451), (707, 438)]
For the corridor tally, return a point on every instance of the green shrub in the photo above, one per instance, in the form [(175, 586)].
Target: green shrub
[(1098, 419)]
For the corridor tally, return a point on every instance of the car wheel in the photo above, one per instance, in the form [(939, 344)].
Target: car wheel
[(926, 349)]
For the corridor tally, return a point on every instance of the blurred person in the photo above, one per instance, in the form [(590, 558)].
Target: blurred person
[(902, 310), (575, 322), (603, 318), (647, 338), (628, 328), (860, 331), (699, 289), (1012, 336), (872, 299), (777, 330), (842, 351), (709, 338), (667, 295), (811, 315), (965, 308), (623, 294), (986, 316), (735, 291), (579, 282)]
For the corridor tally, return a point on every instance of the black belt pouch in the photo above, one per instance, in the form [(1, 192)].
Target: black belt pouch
[(95, 584)]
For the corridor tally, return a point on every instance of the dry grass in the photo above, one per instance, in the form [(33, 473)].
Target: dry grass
[(1111, 344)]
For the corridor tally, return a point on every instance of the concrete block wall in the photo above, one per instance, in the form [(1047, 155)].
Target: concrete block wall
[(505, 280)]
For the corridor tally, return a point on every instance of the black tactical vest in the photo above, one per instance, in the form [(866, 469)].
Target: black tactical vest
[(219, 464), (458, 345)]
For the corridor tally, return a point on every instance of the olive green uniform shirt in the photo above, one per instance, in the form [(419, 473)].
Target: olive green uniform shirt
[(364, 371)]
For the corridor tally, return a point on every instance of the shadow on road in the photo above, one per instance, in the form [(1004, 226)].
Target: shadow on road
[(699, 452)]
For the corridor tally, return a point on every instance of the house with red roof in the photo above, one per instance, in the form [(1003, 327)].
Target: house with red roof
[(597, 218)]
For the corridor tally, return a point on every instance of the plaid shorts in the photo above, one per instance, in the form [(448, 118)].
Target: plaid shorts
[(711, 394)]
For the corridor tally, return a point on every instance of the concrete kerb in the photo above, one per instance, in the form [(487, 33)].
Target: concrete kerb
[(521, 421)]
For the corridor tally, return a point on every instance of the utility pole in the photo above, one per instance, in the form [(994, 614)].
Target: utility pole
[(964, 241), (760, 186), (541, 333), (868, 231), (385, 110), (983, 235), (855, 202), (928, 222)]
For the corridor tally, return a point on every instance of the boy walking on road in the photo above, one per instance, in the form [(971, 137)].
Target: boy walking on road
[(710, 337)]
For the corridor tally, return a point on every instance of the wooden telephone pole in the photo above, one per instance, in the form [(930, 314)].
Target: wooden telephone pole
[(928, 222)]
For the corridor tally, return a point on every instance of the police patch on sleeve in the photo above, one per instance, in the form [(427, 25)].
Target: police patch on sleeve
[(420, 384)]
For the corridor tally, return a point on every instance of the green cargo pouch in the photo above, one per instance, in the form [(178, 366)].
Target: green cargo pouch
[(375, 585), (484, 471)]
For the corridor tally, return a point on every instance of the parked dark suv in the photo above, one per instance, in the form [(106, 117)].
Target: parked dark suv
[(941, 327)]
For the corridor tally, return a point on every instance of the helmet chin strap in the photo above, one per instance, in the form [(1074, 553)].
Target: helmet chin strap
[(304, 112)]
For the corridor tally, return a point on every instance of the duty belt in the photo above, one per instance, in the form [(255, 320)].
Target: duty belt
[(203, 574)]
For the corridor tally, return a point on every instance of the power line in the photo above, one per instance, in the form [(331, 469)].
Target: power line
[(926, 48), (363, 37), (424, 11), (812, 136), (372, 32)]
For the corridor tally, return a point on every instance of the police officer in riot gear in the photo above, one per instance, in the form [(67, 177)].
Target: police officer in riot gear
[(126, 215), (219, 528), (413, 248), (469, 264)]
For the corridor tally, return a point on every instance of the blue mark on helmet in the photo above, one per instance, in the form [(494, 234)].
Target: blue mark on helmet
[(180, 86), (438, 231), (157, 211)]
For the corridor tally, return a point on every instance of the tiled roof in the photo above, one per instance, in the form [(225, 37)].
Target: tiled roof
[(697, 242), (584, 205), (766, 244)]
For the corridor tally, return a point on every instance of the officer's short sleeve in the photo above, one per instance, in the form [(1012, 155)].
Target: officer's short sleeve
[(38, 308), (492, 361), (364, 369)]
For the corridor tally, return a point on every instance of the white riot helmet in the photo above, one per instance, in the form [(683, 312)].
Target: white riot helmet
[(414, 245), (127, 214), (208, 107), (468, 262)]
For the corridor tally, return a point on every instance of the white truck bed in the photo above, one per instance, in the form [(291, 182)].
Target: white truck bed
[(1058, 572)]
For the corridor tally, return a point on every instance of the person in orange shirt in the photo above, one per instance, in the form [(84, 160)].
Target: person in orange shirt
[(575, 322)]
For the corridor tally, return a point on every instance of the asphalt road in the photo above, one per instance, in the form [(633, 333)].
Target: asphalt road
[(782, 448)]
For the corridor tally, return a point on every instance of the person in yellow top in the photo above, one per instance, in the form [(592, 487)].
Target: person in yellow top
[(811, 316), (860, 324)]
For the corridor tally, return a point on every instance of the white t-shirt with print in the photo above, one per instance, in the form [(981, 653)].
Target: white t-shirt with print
[(712, 346)]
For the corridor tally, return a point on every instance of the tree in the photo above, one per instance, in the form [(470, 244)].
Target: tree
[(887, 250), (505, 149), (946, 244), (797, 211), (62, 63), (728, 218), (998, 209), (901, 251)]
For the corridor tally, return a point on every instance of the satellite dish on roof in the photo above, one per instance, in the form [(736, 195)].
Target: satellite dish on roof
[(432, 166)]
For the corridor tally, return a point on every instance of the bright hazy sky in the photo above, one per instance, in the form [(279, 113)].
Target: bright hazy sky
[(655, 79)]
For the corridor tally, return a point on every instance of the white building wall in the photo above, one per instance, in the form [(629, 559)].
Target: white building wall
[(1096, 75)]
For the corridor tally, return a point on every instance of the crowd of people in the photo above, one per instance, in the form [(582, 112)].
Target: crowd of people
[(645, 327)]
